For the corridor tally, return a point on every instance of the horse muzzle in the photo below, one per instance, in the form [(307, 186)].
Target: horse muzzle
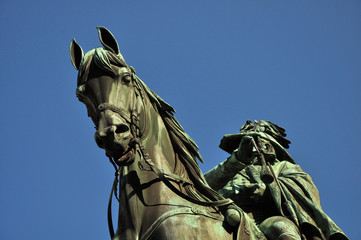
[(113, 134)]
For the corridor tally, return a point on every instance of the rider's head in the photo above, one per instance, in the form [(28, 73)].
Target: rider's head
[(268, 135), (270, 138)]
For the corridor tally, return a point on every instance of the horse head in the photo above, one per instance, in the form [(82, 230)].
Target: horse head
[(106, 86)]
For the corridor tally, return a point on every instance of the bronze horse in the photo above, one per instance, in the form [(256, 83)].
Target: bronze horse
[(162, 191)]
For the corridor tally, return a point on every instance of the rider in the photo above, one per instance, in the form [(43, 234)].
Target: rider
[(286, 208)]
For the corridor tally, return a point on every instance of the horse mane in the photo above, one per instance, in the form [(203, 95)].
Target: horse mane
[(185, 148)]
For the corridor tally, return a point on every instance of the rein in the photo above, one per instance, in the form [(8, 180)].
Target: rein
[(166, 178)]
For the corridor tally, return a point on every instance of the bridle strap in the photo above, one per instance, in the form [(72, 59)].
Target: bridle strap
[(108, 106), (109, 214), (163, 177), (132, 119)]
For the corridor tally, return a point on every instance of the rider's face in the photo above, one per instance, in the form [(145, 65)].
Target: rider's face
[(266, 148)]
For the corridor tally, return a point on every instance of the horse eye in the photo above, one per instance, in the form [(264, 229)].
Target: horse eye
[(126, 79)]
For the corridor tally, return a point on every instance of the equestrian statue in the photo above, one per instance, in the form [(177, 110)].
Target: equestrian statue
[(258, 193)]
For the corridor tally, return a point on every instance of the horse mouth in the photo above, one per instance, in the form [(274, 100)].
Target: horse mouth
[(114, 135), (115, 147), (120, 153), (126, 158)]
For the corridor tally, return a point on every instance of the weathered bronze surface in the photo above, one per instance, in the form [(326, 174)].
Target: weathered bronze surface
[(263, 179), (162, 193)]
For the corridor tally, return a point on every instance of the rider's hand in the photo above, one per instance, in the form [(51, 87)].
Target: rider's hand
[(244, 152)]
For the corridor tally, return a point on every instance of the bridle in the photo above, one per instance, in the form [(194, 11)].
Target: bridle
[(128, 159)]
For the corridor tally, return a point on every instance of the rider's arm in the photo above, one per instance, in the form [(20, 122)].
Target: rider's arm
[(224, 172)]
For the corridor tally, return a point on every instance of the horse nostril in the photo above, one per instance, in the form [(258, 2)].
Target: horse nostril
[(122, 128)]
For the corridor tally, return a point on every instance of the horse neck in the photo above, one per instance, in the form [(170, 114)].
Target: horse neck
[(143, 196), (156, 141)]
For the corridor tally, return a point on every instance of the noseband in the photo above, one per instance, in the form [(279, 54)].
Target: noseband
[(132, 119)]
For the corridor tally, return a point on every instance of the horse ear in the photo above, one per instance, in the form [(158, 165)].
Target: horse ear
[(76, 54), (108, 40)]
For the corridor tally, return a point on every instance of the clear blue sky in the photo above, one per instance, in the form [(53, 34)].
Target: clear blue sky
[(218, 63)]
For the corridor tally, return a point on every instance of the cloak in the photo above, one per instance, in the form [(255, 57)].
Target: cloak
[(242, 184)]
